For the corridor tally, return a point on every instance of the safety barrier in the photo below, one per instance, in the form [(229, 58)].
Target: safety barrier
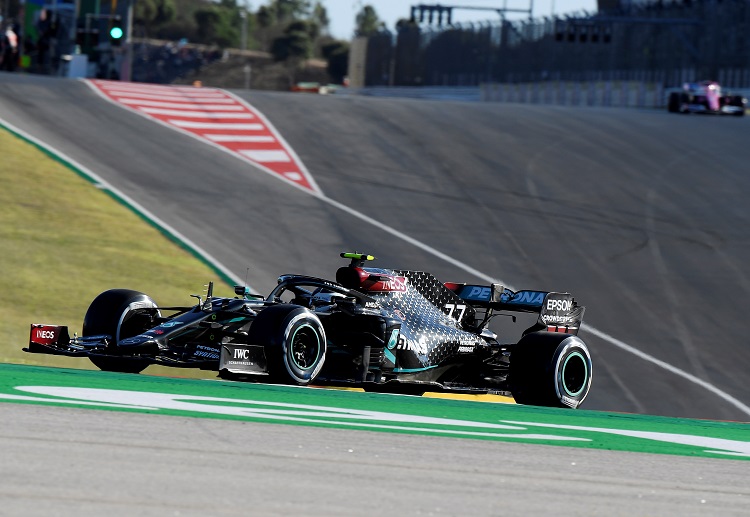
[(626, 94)]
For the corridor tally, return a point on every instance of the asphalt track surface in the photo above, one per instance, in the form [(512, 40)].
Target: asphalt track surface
[(105, 463), (642, 215)]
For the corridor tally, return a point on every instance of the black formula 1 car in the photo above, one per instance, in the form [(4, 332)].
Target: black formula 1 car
[(379, 329)]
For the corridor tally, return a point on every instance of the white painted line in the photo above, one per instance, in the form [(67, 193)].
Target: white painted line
[(239, 138), (294, 176), (183, 105), (266, 156), (227, 126), (154, 88), (672, 369), (172, 96), (195, 114)]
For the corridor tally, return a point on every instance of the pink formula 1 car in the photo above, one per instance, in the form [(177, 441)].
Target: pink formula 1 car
[(706, 97)]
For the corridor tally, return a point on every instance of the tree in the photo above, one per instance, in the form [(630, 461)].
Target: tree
[(218, 25), (336, 54), (294, 45), (307, 26), (266, 17), (368, 22), (289, 10), (153, 13), (320, 17)]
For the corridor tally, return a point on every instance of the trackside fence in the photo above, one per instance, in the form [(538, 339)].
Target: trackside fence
[(649, 43)]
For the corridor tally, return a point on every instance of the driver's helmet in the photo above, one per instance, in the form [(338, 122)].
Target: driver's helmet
[(323, 299)]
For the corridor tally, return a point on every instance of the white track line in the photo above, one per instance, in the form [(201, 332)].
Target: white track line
[(672, 369), (266, 156), (239, 138), (144, 87), (214, 125), (197, 114), (182, 105), (134, 94)]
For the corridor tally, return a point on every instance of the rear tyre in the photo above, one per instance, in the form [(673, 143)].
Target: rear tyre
[(550, 369), (673, 105), (294, 340), (684, 101), (120, 313)]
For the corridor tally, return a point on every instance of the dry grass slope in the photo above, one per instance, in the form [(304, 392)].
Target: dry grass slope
[(64, 241)]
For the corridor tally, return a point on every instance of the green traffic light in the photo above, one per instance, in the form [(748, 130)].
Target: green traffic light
[(116, 32)]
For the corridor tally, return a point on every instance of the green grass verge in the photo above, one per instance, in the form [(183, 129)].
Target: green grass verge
[(64, 241)]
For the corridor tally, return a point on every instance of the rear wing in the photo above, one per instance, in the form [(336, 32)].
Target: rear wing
[(558, 312)]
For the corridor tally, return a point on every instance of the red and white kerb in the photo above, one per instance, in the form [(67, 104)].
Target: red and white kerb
[(216, 116)]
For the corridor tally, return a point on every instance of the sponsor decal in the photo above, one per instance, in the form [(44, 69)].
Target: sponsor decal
[(245, 356), (397, 284), (535, 298), (419, 347), (45, 334), (372, 305), (559, 305), (529, 297), (452, 307), (393, 340), (207, 355), (479, 293), (466, 346), (158, 332), (241, 353), (568, 401), (171, 324), (552, 318)]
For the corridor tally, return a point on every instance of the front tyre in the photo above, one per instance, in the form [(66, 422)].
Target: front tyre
[(738, 102), (120, 313), (294, 340), (550, 369)]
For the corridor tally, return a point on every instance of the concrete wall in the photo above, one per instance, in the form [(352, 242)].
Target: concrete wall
[(357, 62)]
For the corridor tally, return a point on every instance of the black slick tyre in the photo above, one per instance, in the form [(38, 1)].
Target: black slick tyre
[(673, 105), (120, 313), (684, 101), (738, 102), (550, 369), (294, 341)]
